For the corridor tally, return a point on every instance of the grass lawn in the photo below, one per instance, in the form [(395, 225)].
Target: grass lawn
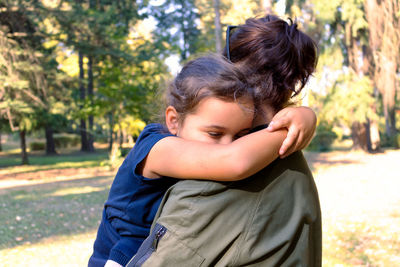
[(49, 216), (52, 207), (49, 220), (11, 162), (360, 204)]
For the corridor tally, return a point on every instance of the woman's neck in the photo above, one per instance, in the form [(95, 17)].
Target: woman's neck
[(265, 115)]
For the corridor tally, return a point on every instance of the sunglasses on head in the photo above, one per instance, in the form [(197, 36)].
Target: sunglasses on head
[(228, 35)]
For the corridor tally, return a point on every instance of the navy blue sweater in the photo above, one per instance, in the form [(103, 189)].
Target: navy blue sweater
[(132, 204)]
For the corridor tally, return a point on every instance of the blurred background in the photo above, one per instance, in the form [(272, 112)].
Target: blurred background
[(80, 79)]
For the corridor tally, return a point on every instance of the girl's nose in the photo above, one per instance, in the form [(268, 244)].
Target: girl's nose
[(226, 140)]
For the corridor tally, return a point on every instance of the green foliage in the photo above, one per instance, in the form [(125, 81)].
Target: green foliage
[(16, 98), (177, 27), (388, 141), (36, 146), (45, 118), (349, 100), (66, 140), (324, 137), (131, 126), (232, 12)]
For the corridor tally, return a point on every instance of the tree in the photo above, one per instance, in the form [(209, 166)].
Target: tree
[(217, 23), (341, 29), (177, 27), (31, 62), (229, 12), (4, 128), (132, 89), (20, 73), (352, 108), (94, 32), (384, 41), (82, 96)]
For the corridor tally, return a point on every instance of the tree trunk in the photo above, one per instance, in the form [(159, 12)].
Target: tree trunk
[(374, 136), (360, 132), (90, 95), (82, 95), (1, 147), (50, 145), (111, 125), (115, 153), (368, 135), (24, 153), (218, 30), (120, 137), (388, 89), (185, 49), (359, 136)]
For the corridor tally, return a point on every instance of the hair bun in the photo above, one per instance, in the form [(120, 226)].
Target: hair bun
[(292, 27)]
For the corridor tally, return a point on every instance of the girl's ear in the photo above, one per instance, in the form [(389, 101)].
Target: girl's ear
[(172, 119)]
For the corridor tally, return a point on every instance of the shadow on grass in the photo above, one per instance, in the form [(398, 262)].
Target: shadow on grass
[(31, 213), (325, 158), (39, 162)]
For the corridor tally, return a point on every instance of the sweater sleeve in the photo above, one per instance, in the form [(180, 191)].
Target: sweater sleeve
[(133, 199)]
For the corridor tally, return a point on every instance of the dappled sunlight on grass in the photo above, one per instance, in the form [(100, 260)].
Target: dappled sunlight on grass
[(59, 165), (12, 150), (362, 243), (76, 190), (51, 216), (360, 208), (24, 195), (67, 250), (55, 162), (51, 209)]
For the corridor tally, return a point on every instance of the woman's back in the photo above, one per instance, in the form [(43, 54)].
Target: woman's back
[(270, 219)]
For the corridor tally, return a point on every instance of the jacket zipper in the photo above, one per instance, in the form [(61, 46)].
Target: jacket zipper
[(148, 246), (157, 238)]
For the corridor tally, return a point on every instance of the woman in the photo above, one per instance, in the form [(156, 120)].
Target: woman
[(270, 219)]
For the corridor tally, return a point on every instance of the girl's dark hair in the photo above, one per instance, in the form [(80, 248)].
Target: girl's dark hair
[(207, 76), (275, 57)]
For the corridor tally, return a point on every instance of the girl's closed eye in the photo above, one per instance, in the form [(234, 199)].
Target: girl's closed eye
[(214, 134)]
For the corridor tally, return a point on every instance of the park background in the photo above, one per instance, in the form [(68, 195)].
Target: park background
[(80, 79)]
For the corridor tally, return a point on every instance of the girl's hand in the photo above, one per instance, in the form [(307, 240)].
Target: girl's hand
[(111, 263), (300, 123)]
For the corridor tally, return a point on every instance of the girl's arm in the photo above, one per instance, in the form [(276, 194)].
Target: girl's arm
[(179, 158), (300, 123)]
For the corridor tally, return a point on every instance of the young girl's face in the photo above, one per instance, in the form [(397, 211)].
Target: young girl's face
[(218, 121)]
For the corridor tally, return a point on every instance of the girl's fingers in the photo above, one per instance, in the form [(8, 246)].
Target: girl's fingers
[(277, 124), (289, 143)]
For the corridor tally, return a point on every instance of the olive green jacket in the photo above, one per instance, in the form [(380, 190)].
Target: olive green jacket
[(270, 219)]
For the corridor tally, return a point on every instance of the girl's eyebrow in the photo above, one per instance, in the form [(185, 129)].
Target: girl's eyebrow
[(219, 127), (222, 128)]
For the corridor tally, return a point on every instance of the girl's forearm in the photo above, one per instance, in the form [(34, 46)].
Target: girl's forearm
[(183, 159), (256, 151)]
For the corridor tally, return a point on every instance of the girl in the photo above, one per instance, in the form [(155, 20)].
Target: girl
[(210, 107)]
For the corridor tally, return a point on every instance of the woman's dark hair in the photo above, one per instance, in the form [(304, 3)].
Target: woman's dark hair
[(275, 57), (207, 76)]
